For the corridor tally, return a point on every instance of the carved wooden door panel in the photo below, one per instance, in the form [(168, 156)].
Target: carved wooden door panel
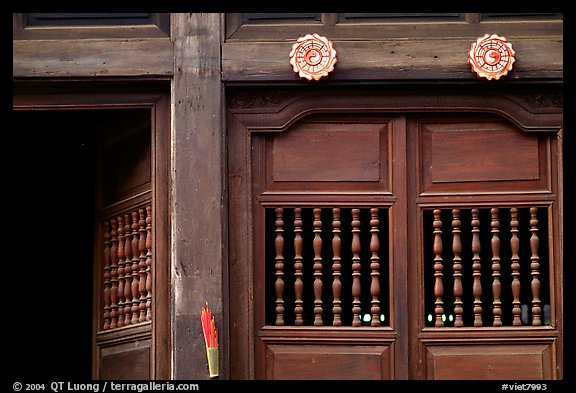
[(123, 249), (372, 243)]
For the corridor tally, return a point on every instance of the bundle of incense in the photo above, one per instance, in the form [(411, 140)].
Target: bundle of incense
[(209, 327)]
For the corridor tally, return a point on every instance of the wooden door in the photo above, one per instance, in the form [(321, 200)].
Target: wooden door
[(105, 179), (363, 241)]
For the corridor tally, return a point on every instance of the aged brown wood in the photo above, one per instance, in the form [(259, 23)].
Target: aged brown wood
[(135, 267), (336, 267), (121, 273), (279, 284), (94, 57), (496, 286), (142, 266), (317, 245), (515, 265), (375, 268), (438, 285), (280, 350), (476, 273), (128, 269), (106, 291), (535, 267), (298, 284), (356, 267), (457, 267), (113, 276), (64, 100), (148, 285)]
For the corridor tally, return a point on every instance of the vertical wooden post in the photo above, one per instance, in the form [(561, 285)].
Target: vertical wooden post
[(375, 268), (356, 290), (128, 269), (148, 263), (135, 268), (121, 272), (476, 273), (438, 286), (107, 243), (141, 268), (515, 265), (336, 284), (199, 253), (298, 284), (317, 245), (113, 276), (279, 284), (535, 267), (457, 249), (496, 287)]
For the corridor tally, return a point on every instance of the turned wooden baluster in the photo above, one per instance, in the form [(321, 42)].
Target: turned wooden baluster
[(128, 270), (298, 284), (106, 275), (142, 266), (476, 273), (121, 272), (375, 268), (438, 286), (356, 290), (279, 266), (457, 266), (148, 263), (535, 267), (515, 265), (336, 284), (135, 268), (496, 287), (113, 276), (317, 245)]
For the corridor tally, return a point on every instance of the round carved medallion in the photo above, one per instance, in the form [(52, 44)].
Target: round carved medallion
[(491, 56), (312, 57)]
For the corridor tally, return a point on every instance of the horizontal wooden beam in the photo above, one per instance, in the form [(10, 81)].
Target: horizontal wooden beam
[(93, 58), (441, 59)]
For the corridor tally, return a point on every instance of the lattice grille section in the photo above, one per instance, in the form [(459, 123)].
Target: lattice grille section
[(327, 266), (127, 254), (486, 267)]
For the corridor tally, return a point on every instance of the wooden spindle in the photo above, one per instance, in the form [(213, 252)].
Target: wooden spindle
[(148, 263), (128, 270), (317, 246), (375, 268), (142, 266), (496, 286), (121, 278), (356, 290), (298, 284), (135, 268), (279, 266), (515, 265), (476, 273), (106, 293), (457, 267), (438, 266), (113, 275), (535, 267), (336, 283)]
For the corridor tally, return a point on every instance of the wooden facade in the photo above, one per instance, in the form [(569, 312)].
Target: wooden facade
[(399, 219)]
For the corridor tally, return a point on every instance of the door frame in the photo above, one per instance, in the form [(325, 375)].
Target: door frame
[(268, 110), (67, 96)]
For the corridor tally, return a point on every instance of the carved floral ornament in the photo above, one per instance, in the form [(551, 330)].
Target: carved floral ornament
[(312, 57), (491, 57)]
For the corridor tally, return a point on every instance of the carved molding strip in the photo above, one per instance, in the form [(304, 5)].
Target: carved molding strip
[(530, 110)]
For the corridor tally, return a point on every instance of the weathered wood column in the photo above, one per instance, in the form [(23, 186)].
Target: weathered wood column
[(198, 177)]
